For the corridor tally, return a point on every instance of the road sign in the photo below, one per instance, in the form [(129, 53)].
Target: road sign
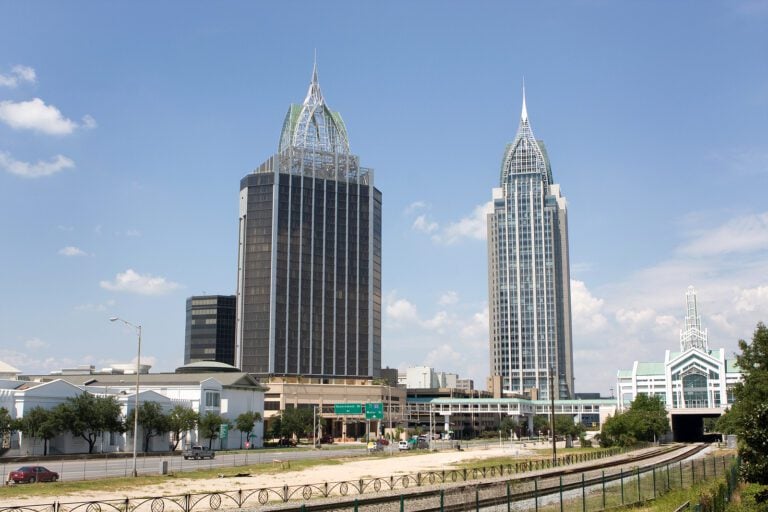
[(223, 431), (342, 409), (374, 411)]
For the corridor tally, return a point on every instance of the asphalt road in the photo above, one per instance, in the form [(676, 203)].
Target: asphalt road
[(93, 468)]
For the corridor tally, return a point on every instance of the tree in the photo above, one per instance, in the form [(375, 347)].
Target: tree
[(153, 421), (40, 423), (645, 420), (209, 426), (295, 422), (245, 422), (7, 426), (564, 426), (540, 424), (180, 421), (89, 416), (748, 417)]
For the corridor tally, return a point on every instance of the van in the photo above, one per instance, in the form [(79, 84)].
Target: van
[(403, 445)]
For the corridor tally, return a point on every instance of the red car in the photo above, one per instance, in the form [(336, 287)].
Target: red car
[(32, 474)]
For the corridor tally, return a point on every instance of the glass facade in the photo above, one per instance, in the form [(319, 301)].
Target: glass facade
[(309, 272), (529, 282), (210, 329)]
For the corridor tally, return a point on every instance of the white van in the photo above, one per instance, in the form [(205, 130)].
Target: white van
[(403, 445)]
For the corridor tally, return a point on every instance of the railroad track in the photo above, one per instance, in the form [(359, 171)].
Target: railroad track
[(364, 500)]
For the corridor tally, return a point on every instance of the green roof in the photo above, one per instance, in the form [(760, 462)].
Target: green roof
[(650, 368), (731, 366)]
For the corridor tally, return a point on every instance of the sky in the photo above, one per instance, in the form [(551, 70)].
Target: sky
[(125, 129)]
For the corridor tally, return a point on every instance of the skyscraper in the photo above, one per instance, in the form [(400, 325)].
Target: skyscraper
[(210, 329), (309, 255), (528, 273)]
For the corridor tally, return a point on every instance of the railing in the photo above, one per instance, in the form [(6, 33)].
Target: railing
[(469, 488)]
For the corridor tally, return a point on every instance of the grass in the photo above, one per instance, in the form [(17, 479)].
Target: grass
[(510, 459)]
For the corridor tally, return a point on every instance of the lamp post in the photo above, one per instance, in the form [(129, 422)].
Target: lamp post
[(136, 403)]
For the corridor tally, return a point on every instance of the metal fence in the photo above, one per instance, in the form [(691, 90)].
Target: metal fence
[(504, 486)]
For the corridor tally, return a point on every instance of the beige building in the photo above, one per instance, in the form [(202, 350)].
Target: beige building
[(323, 394)]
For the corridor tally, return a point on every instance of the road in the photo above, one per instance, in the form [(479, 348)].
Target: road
[(93, 468)]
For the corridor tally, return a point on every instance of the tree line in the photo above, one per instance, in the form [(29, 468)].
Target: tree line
[(89, 417)]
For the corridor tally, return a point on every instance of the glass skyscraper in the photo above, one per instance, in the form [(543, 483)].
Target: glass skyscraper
[(528, 273), (210, 329), (309, 255)]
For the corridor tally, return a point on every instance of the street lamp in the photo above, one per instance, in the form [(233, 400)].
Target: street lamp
[(136, 403)]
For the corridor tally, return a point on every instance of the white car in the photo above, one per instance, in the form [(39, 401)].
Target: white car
[(403, 445)]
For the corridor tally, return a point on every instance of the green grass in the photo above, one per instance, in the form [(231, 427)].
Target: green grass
[(510, 459)]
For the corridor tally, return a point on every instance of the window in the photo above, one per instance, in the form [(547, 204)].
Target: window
[(212, 399)]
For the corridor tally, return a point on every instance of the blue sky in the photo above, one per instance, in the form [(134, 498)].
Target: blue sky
[(125, 129)]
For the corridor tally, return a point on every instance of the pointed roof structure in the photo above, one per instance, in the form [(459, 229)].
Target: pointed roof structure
[(312, 125), (525, 154), (692, 336)]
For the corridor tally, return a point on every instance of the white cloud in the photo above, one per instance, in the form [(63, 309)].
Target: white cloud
[(133, 233), (423, 224), (414, 207), (448, 298), (36, 170), (473, 226), (35, 115), (400, 310), (752, 299), (635, 317), (88, 122), (18, 75), (444, 358), (132, 282), (35, 344), (747, 233), (438, 322), (72, 251), (586, 310)]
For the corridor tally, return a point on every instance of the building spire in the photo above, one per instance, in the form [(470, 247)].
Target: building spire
[(524, 113), (692, 336), (314, 94)]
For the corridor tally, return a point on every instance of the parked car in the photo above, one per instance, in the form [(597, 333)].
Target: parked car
[(198, 452), (32, 474), (286, 441), (373, 446), (403, 446), (326, 439)]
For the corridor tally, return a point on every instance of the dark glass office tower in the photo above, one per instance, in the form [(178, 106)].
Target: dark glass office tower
[(210, 331), (309, 255), (528, 273)]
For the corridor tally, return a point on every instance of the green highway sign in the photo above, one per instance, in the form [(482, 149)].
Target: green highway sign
[(223, 431), (374, 411), (343, 409)]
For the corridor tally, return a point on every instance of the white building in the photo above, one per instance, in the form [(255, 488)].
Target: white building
[(219, 390), (694, 378)]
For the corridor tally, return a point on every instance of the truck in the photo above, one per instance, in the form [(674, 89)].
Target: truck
[(198, 452)]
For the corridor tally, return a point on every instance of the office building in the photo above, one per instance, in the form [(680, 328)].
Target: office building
[(210, 329), (309, 255), (528, 273)]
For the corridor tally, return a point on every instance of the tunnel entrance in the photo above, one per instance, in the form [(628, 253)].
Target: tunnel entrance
[(689, 428)]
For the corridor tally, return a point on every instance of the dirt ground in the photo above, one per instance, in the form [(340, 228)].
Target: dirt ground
[(352, 470)]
